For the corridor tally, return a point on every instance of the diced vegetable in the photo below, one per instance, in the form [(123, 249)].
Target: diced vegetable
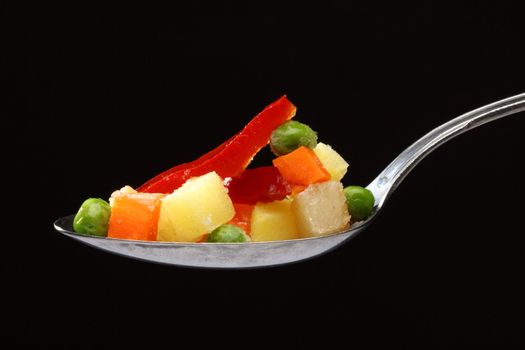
[(243, 215), (93, 217), (320, 209), (199, 206), (125, 189), (273, 221), (215, 198), (232, 157), (290, 136), (297, 188), (228, 234), (264, 184), (331, 160), (301, 167), (134, 215), (360, 202)]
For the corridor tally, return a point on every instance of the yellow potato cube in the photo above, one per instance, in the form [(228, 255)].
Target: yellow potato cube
[(124, 190), (273, 221), (321, 209), (197, 207), (331, 160)]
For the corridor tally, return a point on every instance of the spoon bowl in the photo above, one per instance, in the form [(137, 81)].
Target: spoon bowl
[(215, 255), (263, 254)]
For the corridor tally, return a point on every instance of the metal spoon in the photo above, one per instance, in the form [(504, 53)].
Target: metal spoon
[(258, 254)]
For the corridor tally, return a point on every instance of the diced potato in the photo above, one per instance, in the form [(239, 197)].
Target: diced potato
[(321, 209), (331, 160), (273, 221), (124, 190), (197, 207)]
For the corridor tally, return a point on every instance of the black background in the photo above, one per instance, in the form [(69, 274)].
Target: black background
[(100, 97)]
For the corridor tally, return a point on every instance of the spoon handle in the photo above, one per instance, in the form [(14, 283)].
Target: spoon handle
[(387, 181)]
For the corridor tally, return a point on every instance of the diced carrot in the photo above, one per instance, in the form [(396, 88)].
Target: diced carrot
[(301, 167), (135, 216), (243, 215)]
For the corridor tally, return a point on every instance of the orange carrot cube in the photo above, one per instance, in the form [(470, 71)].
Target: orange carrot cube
[(134, 215), (301, 167)]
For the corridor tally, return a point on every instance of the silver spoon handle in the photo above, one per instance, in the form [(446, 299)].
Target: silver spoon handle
[(387, 181)]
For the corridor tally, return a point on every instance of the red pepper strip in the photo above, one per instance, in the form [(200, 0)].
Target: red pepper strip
[(264, 184), (233, 156), (243, 216), (183, 166)]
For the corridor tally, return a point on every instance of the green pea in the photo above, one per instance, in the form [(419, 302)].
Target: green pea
[(93, 217), (360, 202), (228, 234), (290, 136)]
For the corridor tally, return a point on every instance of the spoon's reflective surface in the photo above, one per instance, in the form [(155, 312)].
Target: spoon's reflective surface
[(246, 255)]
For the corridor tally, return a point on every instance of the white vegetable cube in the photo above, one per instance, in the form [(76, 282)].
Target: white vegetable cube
[(321, 209), (197, 207), (273, 221), (331, 160)]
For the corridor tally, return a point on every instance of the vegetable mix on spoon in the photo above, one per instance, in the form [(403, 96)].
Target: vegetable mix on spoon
[(215, 198)]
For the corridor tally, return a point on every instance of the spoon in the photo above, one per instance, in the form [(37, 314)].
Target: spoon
[(259, 254)]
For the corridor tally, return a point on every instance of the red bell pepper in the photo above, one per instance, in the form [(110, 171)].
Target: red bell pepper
[(264, 184), (243, 216), (233, 156)]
